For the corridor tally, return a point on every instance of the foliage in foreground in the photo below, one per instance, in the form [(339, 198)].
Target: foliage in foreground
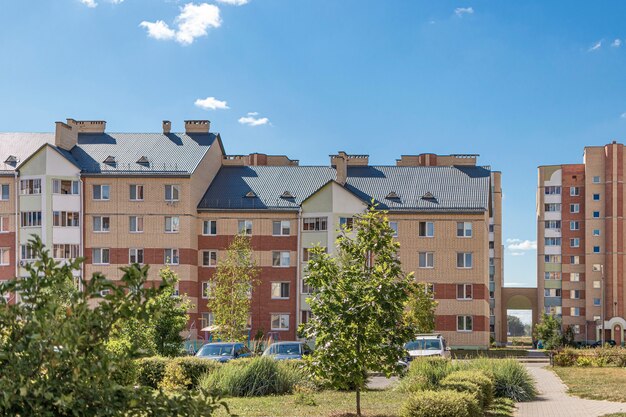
[(598, 357), (443, 403), (53, 346), (548, 330)]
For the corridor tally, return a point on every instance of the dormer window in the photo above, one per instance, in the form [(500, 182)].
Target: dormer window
[(287, 195), (250, 194), (392, 196), (11, 160), (428, 196), (143, 161), (110, 160)]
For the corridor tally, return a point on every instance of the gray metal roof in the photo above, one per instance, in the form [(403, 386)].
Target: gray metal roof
[(20, 145), (458, 188)]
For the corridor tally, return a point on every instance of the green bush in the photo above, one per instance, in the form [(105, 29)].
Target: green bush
[(482, 380), (510, 378), (425, 373), (584, 361), (185, 372), (464, 386), (566, 357), (442, 403), (253, 377), (150, 371)]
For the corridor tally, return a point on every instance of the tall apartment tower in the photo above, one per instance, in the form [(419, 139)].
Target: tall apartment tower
[(580, 243)]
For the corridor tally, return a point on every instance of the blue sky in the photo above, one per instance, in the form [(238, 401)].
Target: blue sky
[(520, 83)]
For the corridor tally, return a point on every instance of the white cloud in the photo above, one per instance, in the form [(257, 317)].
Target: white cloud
[(617, 43), (116, 1), (460, 11), (234, 2), (518, 245), (89, 3), (251, 120), (623, 115), (517, 254), (595, 47), (193, 22), (211, 103)]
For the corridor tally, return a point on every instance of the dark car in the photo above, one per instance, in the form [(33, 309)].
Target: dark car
[(606, 342), (223, 351), (287, 350)]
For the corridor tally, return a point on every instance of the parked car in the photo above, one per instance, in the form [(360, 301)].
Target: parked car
[(223, 351), (427, 345), (287, 350), (599, 343)]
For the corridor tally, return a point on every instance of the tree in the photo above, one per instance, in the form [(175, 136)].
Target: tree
[(358, 305), (53, 349), (548, 330), (231, 289), (420, 311), (515, 326)]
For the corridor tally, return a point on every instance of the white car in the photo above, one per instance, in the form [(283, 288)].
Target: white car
[(427, 345)]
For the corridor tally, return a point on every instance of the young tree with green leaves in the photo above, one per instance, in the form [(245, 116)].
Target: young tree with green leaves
[(548, 330), (53, 348), (231, 289), (420, 308), (358, 305)]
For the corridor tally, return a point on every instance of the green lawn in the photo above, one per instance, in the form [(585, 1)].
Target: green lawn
[(595, 383)]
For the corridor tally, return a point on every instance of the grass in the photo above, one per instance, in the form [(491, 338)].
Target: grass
[(501, 407), (615, 415), (595, 383), (375, 403)]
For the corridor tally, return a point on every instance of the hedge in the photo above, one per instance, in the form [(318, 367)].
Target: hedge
[(444, 403), (150, 371), (480, 379)]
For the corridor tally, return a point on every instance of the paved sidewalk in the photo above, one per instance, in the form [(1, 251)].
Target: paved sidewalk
[(553, 401)]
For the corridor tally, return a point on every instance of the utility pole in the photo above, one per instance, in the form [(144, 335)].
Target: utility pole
[(602, 302)]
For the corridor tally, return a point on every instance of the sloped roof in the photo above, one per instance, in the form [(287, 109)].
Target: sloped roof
[(456, 188), (21, 145)]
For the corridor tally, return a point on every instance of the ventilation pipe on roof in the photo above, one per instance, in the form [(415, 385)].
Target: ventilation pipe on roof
[(167, 127), (197, 126), (65, 136), (340, 163)]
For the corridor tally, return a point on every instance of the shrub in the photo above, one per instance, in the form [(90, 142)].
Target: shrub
[(584, 361), (566, 357), (464, 386), (510, 378), (185, 372), (255, 377), (442, 403), (425, 373), (150, 371), (480, 379)]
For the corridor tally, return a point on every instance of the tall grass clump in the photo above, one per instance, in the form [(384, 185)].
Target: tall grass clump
[(511, 379), (443, 403), (467, 380), (426, 373), (256, 377)]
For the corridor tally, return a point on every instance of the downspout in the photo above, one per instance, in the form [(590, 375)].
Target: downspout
[(298, 273), (81, 250), (17, 226)]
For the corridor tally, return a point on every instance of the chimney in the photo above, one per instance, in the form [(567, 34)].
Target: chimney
[(65, 136), (167, 127), (340, 163), (88, 126), (197, 126)]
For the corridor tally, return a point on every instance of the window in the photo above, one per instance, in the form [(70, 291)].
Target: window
[(280, 321), (4, 194), (553, 241), (135, 224), (574, 294), (596, 249), (552, 275), (597, 318), (281, 259), (135, 256), (65, 187), (464, 229), (65, 218), (306, 316), (574, 208), (596, 180), (574, 242), (597, 284), (31, 218), (30, 186), (4, 224), (101, 192), (426, 260), (596, 232), (245, 227), (426, 229), (27, 252), (576, 328), (170, 257), (209, 258), (65, 251), (552, 190), (574, 260), (596, 197), (574, 191), (172, 224), (596, 267), (574, 276), (552, 207), (4, 256), (575, 311), (346, 222), (553, 310), (464, 292), (281, 228), (552, 292), (206, 320), (552, 224), (314, 223), (306, 289), (280, 290), (464, 323), (596, 214), (207, 289), (136, 192), (574, 225), (491, 228), (209, 227), (464, 260), (101, 224), (172, 192), (100, 256), (552, 259), (596, 302), (394, 226), (307, 253)]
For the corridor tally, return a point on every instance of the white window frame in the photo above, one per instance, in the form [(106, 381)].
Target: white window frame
[(206, 288), (174, 254), (574, 208), (245, 225), (137, 187), (574, 225), (138, 222), (73, 249), (574, 276), (8, 193), (102, 230), (319, 224), (279, 286), (5, 252), (205, 229), (283, 255), (33, 219), (30, 186), (174, 192), (346, 222), (596, 179), (429, 229), (57, 183), (596, 232), (174, 221), (467, 323), (282, 226), (136, 255), (5, 224), (394, 226), (101, 187), (466, 228), (597, 284), (463, 288), (102, 251), (574, 311), (212, 262), (280, 317), (574, 242), (427, 256), (465, 257), (574, 191)]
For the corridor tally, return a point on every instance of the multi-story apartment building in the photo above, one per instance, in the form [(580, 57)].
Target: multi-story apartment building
[(580, 243), (177, 199)]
